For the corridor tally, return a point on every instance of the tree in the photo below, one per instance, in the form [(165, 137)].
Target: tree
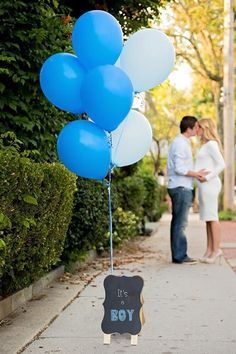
[(132, 14), (229, 173), (197, 29), (165, 106)]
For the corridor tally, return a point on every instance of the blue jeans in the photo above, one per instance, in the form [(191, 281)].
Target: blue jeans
[(181, 199)]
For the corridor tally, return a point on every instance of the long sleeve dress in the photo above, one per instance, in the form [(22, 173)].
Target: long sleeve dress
[(210, 158)]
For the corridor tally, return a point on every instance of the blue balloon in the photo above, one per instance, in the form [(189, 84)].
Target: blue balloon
[(107, 96), (84, 149), (97, 38), (60, 78)]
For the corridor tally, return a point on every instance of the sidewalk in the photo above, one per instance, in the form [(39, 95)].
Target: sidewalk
[(188, 308)]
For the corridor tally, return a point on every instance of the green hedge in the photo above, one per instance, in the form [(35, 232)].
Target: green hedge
[(131, 194), (134, 199), (228, 215), (35, 211), (142, 195), (125, 226), (154, 203), (89, 226), (89, 222)]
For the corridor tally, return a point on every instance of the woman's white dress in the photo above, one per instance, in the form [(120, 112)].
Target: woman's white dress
[(209, 158)]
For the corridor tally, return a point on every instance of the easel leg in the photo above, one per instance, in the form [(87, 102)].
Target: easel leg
[(142, 316), (106, 338), (134, 340)]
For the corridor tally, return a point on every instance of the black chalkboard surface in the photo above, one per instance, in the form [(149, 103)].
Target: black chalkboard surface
[(122, 305)]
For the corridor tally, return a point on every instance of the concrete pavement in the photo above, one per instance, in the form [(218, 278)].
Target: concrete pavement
[(188, 308)]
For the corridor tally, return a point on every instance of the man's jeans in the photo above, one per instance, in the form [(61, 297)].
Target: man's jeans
[(181, 198)]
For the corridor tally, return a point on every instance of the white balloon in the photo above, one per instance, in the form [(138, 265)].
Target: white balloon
[(131, 140), (148, 58)]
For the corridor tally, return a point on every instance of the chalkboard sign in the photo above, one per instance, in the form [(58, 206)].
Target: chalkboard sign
[(122, 305)]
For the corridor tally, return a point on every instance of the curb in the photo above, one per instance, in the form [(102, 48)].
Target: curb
[(14, 301), (90, 256)]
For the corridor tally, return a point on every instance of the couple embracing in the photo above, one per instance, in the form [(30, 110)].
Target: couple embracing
[(181, 173)]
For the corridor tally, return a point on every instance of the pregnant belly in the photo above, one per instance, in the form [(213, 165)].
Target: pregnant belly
[(213, 185)]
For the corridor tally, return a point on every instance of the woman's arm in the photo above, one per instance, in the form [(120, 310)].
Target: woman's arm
[(219, 164)]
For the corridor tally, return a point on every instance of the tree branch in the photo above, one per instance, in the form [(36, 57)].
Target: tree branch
[(193, 66), (209, 74), (151, 103)]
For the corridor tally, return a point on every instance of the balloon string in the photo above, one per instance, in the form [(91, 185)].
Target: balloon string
[(121, 133), (110, 221)]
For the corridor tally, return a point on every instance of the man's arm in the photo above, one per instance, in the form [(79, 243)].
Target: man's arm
[(199, 174), (180, 166)]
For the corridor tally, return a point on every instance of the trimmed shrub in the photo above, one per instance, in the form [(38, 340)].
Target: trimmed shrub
[(131, 194), (89, 226), (154, 202), (90, 221), (228, 215), (142, 195), (151, 202), (35, 211), (134, 199), (125, 225)]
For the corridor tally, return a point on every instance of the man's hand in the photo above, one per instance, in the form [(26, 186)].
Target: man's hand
[(202, 179), (201, 175)]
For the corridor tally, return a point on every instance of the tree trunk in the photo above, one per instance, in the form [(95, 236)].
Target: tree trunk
[(219, 109), (228, 107)]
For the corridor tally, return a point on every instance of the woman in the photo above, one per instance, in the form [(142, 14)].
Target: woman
[(209, 157)]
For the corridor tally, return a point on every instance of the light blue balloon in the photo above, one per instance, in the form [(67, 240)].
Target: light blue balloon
[(60, 79), (148, 58), (97, 38), (84, 149), (107, 96)]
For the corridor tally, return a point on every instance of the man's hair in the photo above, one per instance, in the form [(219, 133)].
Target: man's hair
[(187, 122)]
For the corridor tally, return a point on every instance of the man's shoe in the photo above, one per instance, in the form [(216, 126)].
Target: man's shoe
[(186, 260), (176, 261), (189, 260)]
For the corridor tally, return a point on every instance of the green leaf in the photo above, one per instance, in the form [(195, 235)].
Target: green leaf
[(5, 222), (25, 223), (4, 71), (2, 87), (13, 106), (30, 199), (2, 244)]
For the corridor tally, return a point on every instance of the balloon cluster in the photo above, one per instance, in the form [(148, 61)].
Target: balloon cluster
[(101, 80)]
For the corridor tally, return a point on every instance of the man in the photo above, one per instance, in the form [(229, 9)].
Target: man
[(180, 184)]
